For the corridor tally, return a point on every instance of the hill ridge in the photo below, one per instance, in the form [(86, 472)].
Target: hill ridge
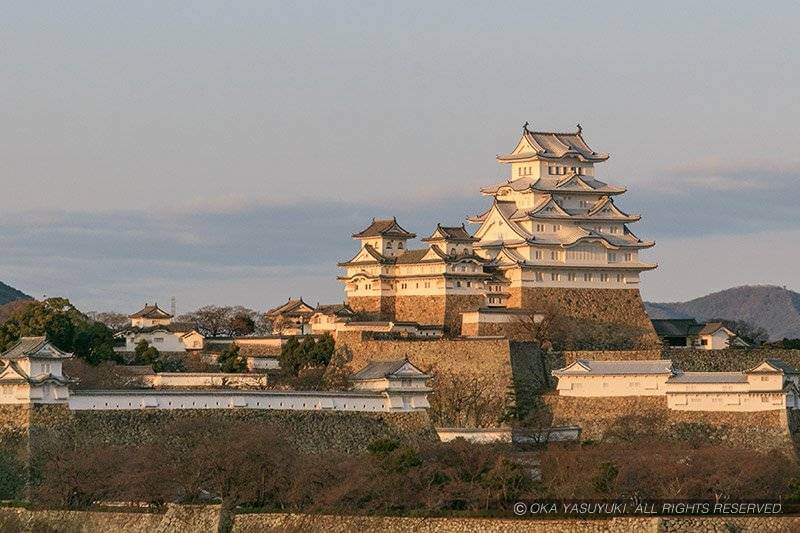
[(772, 307), (9, 294)]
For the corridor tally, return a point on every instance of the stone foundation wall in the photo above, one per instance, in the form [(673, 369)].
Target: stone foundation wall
[(484, 329), (381, 306), (252, 523), (570, 357), (202, 519), (729, 360), (501, 363), (627, 417), (177, 518), (422, 309), (605, 306), (490, 357), (435, 310), (456, 305), (312, 431)]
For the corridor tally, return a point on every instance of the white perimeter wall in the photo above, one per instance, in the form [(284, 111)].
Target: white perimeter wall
[(226, 399)]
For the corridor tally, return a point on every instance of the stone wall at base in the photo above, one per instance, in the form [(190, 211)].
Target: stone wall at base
[(729, 360), (177, 518), (312, 431), (203, 519), (491, 357), (422, 309), (621, 417), (381, 306), (570, 357), (455, 306), (622, 307), (693, 360), (253, 523), (444, 310), (503, 363)]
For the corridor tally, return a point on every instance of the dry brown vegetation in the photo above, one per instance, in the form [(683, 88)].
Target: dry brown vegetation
[(657, 469), (242, 464)]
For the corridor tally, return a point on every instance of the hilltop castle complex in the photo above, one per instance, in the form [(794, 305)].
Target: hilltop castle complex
[(552, 236)]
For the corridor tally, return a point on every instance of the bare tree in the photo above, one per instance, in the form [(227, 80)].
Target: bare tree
[(465, 400), (115, 321)]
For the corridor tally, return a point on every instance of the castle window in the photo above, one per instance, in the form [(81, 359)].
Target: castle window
[(458, 284), (538, 254), (539, 227), (554, 255), (620, 278), (571, 276), (603, 277), (554, 276), (628, 256), (539, 276), (400, 245), (587, 276), (389, 245), (551, 170), (612, 257), (469, 284)]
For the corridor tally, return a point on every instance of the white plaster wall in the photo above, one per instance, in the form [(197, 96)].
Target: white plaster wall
[(480, 436), (612, 385), (225, 399), (726, 401), (147, 322), (263, 363), (170, 342)]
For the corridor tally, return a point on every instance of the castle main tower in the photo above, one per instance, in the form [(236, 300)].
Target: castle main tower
[(556, 234)]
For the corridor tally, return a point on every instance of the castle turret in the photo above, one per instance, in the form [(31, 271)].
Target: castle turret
[(452, 240), (385, 237)]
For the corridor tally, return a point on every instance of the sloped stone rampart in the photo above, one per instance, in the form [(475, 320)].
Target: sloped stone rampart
[(176, 518), (730, 360), (204, 519), (252, 523), (623, 307), (628, 417), (312, 431)]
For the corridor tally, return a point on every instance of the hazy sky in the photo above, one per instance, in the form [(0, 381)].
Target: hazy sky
[(224, 152)]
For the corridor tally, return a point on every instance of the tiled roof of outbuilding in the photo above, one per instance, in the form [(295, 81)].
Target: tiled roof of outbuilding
[(151, 311), (593, 367), (384, 228), (33, 347), (384, 369)]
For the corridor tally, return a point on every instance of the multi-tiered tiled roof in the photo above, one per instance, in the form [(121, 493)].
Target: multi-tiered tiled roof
[(554, 200), (552, 145)]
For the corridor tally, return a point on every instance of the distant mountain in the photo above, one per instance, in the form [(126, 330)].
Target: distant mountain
[(773, 308), (9, 294)]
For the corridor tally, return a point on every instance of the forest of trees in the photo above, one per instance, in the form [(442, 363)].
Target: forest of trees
[(66, 327)]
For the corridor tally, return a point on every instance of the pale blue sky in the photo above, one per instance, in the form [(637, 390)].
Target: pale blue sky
[(223, 152)]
